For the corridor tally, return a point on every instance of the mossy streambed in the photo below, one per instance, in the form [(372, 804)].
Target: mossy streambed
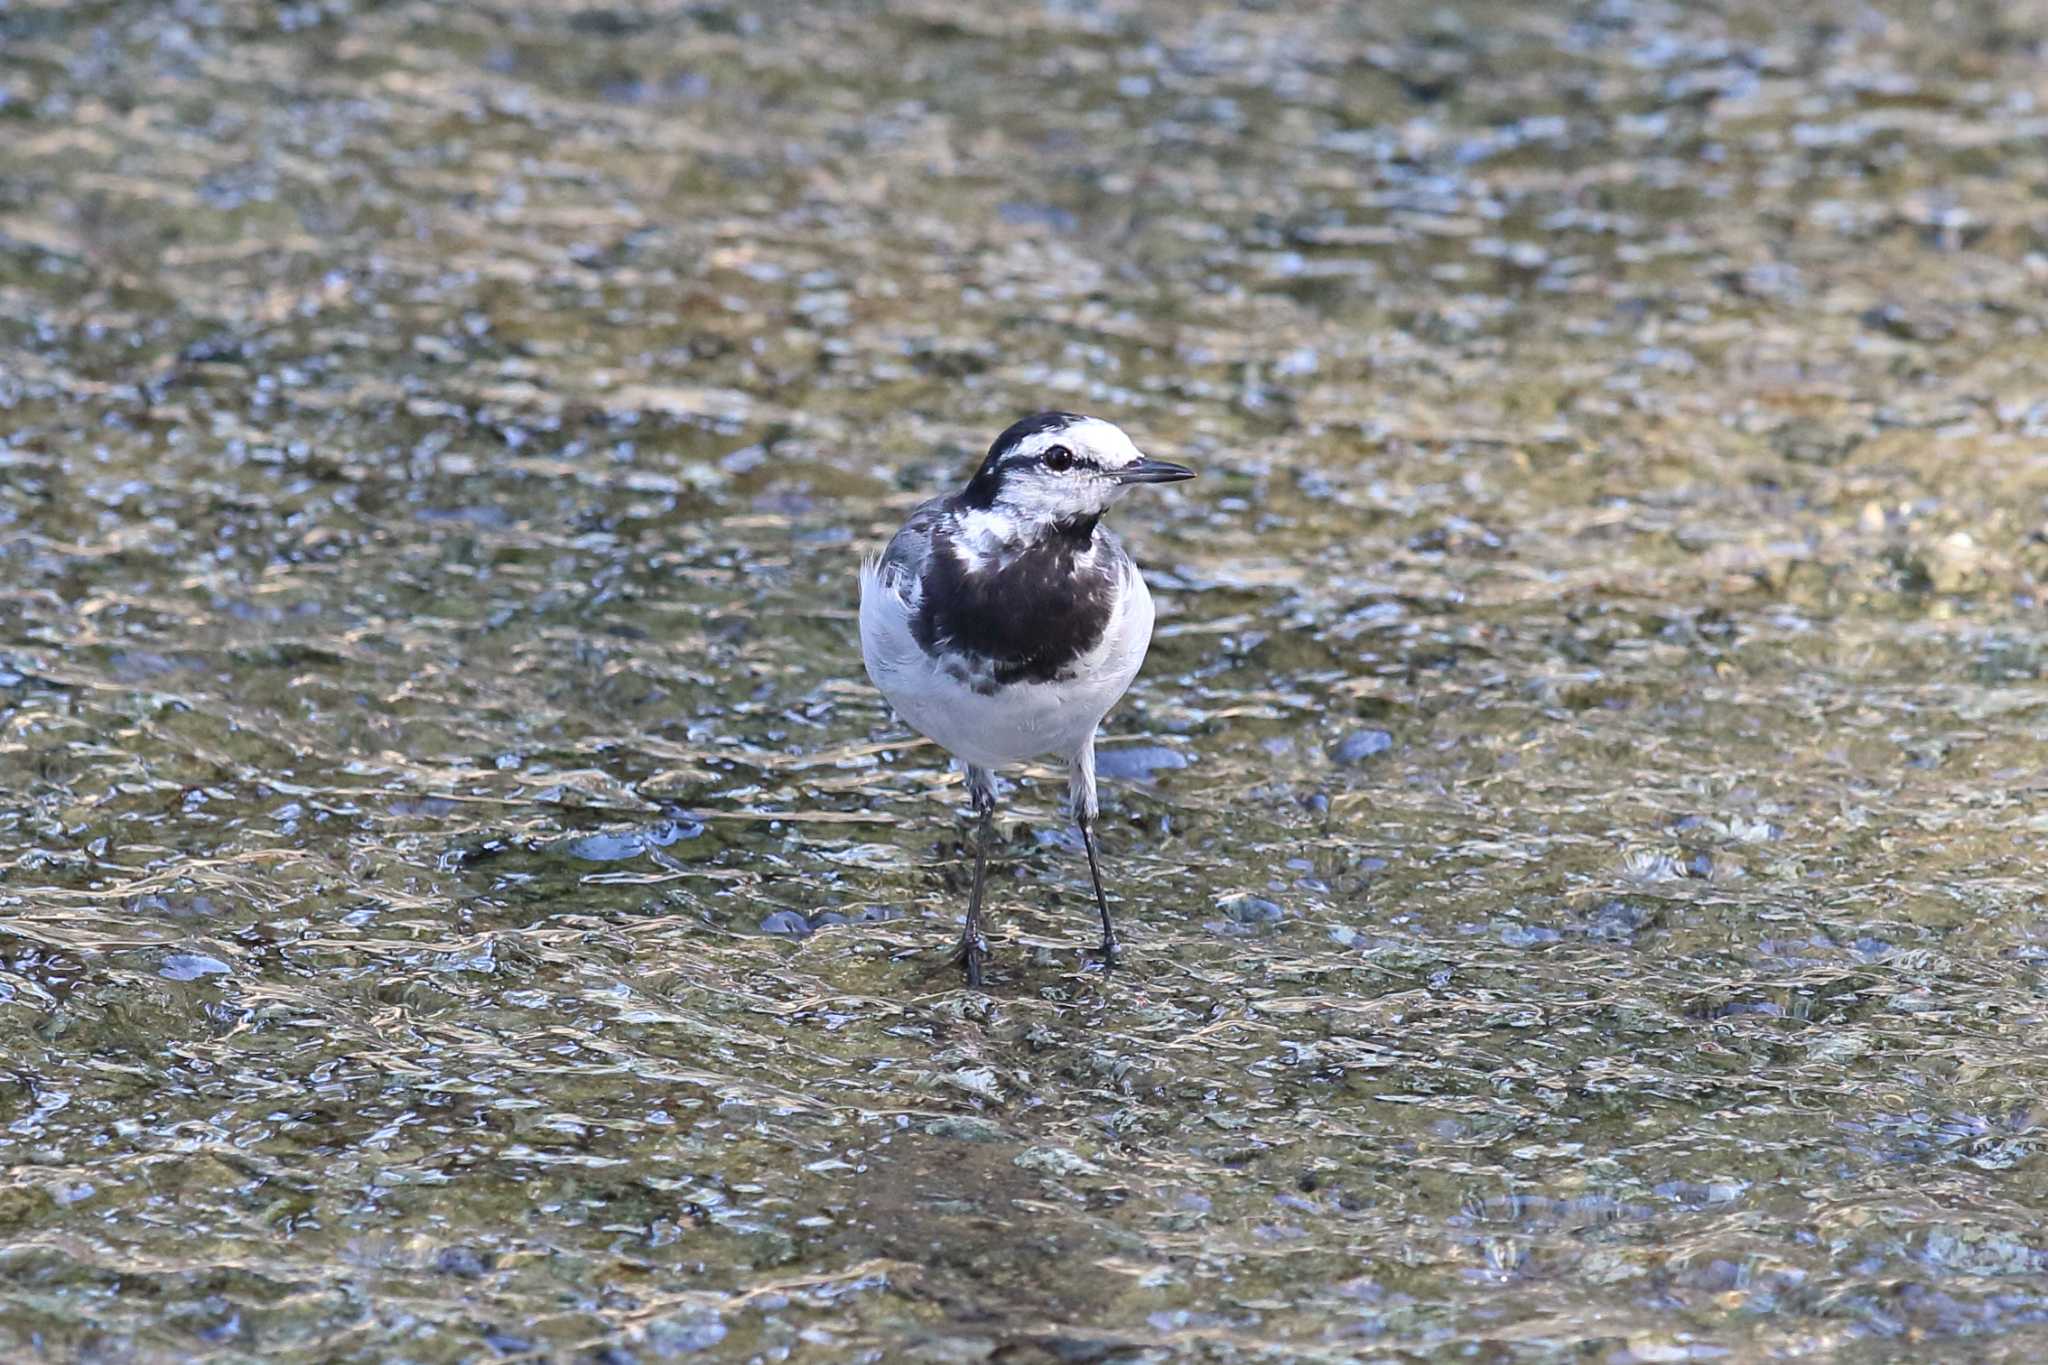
[(1579, 836)]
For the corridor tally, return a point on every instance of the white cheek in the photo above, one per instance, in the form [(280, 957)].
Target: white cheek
[(981, 534), (1048, 496)]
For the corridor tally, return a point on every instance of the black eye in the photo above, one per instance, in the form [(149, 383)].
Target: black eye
[(1059, 459)]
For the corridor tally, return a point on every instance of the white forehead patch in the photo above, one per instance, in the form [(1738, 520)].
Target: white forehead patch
[(1099, 443)]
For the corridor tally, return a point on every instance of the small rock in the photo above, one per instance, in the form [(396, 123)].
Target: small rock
[(685, 1333), (606, 848), (1138, 762), (1254, 910), (1617, 921), (787, 923), (1909, 324), (953, 1350), (965, 1127), (461, 1262), (192, 966), (1360, 745), (222, 1331), (980, 1081), (1024, 213), (1955, 561), (1056, 1161), (674, 831)]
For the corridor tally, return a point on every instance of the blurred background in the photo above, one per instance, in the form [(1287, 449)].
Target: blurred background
[(1578, 834)]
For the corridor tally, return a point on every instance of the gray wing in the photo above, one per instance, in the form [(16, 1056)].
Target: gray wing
[(891, 589), (908, 549)]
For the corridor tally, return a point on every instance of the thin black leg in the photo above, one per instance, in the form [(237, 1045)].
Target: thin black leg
[(1109, 943), (974, 947)]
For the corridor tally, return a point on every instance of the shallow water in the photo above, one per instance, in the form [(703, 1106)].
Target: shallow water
[(1576, 838)]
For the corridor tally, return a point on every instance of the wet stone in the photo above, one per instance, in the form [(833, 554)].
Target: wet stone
[(953, 1350), (787, 923), (667, 832), (684, 1334), (192, 966), (1360, 745), (965, 1128), (1617, 920), (1255, 910), (174, 906), (619, 845), (1022, 213), (464, 1263), (224, 1331), (1059, 1161), (1527, 935), (606, 848), (1137, 762)]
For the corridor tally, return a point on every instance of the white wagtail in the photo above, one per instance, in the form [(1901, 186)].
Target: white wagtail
[(1004, 620)]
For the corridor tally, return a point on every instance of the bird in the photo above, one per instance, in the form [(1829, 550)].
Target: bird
[(1003, 621)]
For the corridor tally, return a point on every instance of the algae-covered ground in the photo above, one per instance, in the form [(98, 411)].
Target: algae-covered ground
[(1579, 837)]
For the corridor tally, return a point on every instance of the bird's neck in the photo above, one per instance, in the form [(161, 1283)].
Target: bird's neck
[(1077, 530), (1004, 532)]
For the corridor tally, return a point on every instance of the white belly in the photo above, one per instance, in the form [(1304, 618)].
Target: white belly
[(1021, 720)]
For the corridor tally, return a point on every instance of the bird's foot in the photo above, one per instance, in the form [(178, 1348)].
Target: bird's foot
[(970, 954), (1111, 950)]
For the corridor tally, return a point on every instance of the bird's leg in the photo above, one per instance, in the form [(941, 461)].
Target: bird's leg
[(1082, 784), (1110, 947), (981, 786)]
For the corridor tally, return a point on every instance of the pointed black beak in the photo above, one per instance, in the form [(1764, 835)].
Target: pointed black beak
[(1154, 471)]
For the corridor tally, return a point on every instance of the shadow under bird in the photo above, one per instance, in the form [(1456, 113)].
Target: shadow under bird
[(1004, 621)]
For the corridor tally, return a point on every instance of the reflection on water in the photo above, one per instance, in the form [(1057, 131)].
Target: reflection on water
[(1576, 831)]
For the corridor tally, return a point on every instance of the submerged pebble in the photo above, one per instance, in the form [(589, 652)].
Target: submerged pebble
[(685, 1334), (618, 845), (1360, 745), (607, 848), (965, 1127), (192, 966), (787, 923), (465, 1263), (1137, 762), (1056, 1161), (796, 924), (1617, 920), (1253, 910)]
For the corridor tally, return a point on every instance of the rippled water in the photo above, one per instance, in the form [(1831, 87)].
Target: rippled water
[(1577, 839)]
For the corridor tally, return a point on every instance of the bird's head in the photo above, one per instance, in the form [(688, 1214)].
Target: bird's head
[(1060, 469)]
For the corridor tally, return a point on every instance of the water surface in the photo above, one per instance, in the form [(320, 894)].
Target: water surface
[(1577, 837)]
